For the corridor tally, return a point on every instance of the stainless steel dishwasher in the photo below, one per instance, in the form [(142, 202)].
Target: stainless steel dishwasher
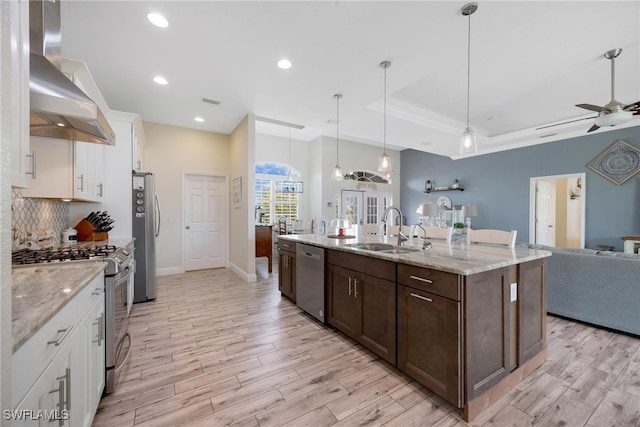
[(310, 293)]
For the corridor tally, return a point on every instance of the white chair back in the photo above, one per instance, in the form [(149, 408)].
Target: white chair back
[(439, 233), (499, 237)]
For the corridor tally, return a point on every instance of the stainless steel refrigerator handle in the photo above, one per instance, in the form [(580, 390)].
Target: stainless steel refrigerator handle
[(158, 215)]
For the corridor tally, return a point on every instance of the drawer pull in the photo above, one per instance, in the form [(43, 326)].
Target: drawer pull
[(422, 279), (421, 297), (64, 333), (97, 291)]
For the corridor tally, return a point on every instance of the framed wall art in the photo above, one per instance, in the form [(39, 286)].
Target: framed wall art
[(237, 192), (618, 163)]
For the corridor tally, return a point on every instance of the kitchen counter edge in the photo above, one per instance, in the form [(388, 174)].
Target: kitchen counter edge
[(455, 257)]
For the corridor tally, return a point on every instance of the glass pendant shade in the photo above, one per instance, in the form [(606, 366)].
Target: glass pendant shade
[(384, 164), (337, 173), (468, 143)]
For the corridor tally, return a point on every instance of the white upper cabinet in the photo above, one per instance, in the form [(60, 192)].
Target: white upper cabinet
[(66, 170), (22, 163)]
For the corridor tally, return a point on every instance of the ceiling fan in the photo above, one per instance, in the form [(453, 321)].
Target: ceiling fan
[(613, 113)]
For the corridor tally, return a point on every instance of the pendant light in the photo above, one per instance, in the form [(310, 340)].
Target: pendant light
[(337, 171), (290, 184), (384, 164), (468, 143)]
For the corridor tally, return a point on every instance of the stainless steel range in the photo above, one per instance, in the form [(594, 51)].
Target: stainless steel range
[(118, 281)]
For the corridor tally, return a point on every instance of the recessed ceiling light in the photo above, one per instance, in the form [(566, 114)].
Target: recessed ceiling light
[(158, 20), (284, 63), (160, 80), (199, 119)]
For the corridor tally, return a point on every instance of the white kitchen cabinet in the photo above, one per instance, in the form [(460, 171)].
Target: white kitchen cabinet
[(49, 400), (93, 334), (21, 159), (62, 367), (66, 170)]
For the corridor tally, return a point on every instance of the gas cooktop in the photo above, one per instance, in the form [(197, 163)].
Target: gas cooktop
[(28, 256)]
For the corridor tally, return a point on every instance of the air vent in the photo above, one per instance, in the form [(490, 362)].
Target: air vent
[(548, 135), (210, 101)]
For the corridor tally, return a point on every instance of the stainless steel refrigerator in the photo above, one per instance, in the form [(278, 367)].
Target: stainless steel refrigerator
[(146, 228)]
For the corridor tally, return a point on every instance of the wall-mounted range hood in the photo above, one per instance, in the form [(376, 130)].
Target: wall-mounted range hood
[(59, 109)]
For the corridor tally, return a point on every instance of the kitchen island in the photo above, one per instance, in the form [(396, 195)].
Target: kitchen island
[(466, 321)]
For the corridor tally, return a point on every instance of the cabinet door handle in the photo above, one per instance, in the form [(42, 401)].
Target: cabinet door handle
[(350, 285), (101, 327), (100, 336), (64, 333), (65, 383), (60, 391), (97, 291), (33, 165), (422, 279), (355, 288), (100, 189), (421, 297), (81, 178)]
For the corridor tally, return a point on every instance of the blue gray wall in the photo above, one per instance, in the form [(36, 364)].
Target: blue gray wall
[(499, 185)]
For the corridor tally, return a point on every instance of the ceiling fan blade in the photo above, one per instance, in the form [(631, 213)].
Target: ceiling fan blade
[(632, 107), (567, 122), (592, 128), (590, 107)]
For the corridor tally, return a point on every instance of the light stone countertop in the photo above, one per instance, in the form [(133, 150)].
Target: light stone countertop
[(39, 292), (459, 257)]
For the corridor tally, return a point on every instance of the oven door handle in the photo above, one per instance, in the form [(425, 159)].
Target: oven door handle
[(130, 269)]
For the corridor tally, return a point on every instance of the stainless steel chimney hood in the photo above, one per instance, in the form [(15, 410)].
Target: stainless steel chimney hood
[(59, 109)]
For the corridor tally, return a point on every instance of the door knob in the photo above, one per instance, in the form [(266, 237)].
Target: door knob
[(188, 227)]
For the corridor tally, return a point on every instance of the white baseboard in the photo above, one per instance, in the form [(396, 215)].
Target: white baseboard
[(169, 271), (246, 276)]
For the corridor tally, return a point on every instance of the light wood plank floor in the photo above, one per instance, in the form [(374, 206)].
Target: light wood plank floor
[(213, 350)]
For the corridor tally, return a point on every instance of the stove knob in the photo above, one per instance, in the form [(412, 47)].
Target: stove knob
[(140, 209)]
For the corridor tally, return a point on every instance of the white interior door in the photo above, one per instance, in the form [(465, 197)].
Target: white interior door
[(205, 222), (545, 213)]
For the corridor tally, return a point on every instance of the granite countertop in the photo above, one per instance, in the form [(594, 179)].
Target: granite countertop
[(455, 257), (39, 292)]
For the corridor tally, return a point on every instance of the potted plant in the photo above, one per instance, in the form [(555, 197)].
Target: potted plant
[(458, 227)]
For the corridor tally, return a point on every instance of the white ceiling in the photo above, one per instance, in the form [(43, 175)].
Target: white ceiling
[(531, 62)]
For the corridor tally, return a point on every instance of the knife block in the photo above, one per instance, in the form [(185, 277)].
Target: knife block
[(87, 233)]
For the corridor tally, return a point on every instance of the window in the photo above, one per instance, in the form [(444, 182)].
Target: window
[(271, 199)]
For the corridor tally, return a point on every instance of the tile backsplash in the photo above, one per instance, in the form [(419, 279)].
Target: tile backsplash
[(35, 214)]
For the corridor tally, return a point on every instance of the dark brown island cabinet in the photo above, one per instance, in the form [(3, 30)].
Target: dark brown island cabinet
[(287, 268), (361, 300), (468, 338)]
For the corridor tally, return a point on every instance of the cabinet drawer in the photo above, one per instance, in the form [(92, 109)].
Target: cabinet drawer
[(364, 264), (91, 293), (286, 245), (436, 282)]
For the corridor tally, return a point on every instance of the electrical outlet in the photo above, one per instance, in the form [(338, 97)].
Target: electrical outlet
[(514, 291)]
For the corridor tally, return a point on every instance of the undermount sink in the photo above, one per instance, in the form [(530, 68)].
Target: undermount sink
[(382, 247)]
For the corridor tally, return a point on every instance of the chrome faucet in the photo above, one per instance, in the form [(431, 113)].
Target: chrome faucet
[(426, 243), (401, 236)]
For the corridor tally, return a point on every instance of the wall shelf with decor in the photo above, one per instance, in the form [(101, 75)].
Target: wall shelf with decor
[(430, 188)]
